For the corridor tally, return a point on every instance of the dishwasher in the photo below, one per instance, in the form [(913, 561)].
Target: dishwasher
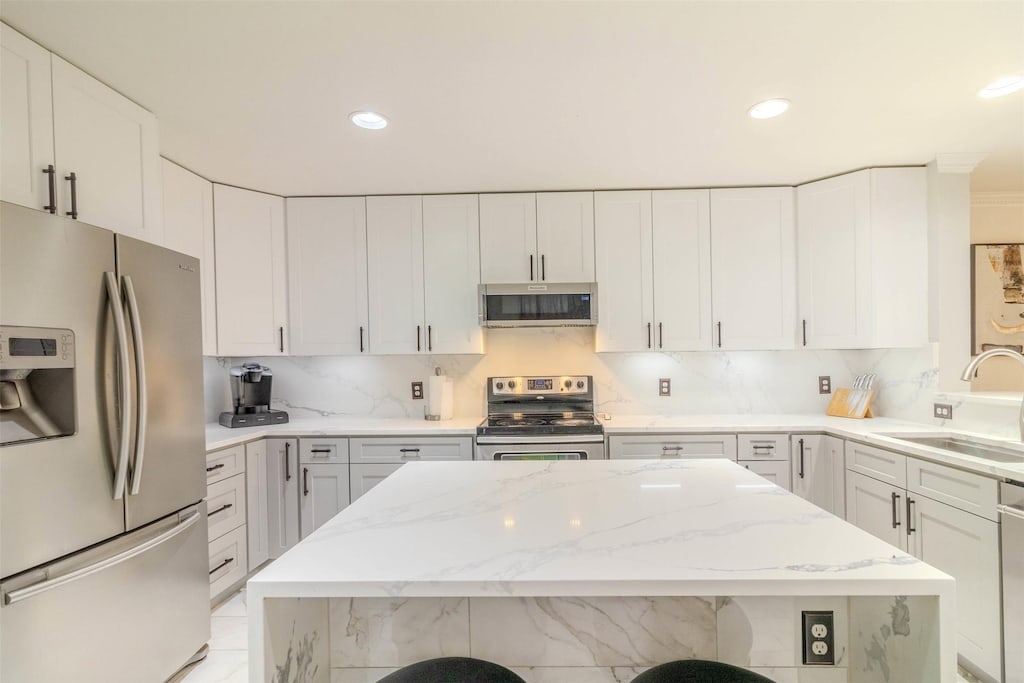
[(1011, 541)]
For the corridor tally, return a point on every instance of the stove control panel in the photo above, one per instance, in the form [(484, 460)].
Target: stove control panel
[(526, 386)]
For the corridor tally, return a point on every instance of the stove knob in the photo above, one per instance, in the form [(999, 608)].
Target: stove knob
[(500, 385), (511, 384), (579, 384), (568, 383)]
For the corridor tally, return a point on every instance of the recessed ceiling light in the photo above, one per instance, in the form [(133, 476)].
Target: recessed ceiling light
[(769, 108), (1002, 86), (368, 119)]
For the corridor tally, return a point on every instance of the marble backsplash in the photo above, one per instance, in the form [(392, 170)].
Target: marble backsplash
[(719, 382)]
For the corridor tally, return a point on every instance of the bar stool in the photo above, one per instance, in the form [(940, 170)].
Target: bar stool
[(452, 670), (699, 671)]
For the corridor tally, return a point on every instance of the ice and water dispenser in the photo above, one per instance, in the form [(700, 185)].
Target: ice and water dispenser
[(37, 383)]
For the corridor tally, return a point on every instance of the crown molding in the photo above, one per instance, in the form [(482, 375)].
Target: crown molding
[(958, 162), (1014, 198)]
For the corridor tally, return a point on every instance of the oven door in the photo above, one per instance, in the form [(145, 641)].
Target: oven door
[(540, 451)]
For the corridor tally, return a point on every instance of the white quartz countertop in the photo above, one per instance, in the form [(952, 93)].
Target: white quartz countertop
[(222, 437), (614, 528)]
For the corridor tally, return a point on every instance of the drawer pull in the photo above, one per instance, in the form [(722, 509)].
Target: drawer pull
[(221, 565), (408, 453), (213, 468), (322, 450), (222, 508)]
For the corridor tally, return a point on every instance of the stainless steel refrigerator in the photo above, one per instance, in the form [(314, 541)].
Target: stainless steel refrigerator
[(103, 537)]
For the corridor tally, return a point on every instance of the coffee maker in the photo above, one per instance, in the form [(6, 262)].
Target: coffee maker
[(250, 398)]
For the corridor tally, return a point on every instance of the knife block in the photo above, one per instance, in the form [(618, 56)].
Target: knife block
[(855, 403)]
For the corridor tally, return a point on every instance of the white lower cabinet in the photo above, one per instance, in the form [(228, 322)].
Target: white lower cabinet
[(226, 518), (775, 471), (672, 446), (819, 474), (766, 455), (364, 477), (227, 561), (323, 494), (283, 495), (257, 501), (964, 543)]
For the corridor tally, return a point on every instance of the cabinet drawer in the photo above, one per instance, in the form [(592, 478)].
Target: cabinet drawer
[(225, 463), (323, 450), (877, 463), (763, 447), (397, 450), (775, 471), (964, 490), (227, 561), (673, 446), (225, 505)]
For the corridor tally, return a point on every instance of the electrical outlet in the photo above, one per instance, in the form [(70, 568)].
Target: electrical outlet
[(819, 638), (417, 390), (664, 387), (824, 384), (943, 411)]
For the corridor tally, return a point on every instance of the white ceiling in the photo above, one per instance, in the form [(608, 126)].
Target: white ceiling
[(489, 96)]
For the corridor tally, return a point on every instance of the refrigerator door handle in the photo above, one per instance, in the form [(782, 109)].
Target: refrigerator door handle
[(114, 301), (11, 597), (142, 412)]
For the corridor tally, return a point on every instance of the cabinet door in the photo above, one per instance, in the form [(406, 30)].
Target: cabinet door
[(565, 236), (775, 471), (188, 228), (323, 494), (327, 312), (451, 273), (508, 238), (365, 477), (623, 267), (283, 494), (394, 240), (835, 449), (812, 470), (257, 488), (753, 269), (251, 281), (113, 147), (682, 269), (966, 547), (834, 263), (876, 507), (26, 120)]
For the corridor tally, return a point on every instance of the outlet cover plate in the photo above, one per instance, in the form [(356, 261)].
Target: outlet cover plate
[(943, 411), (824, 384), (417, 390), (819, 640), (664, 387)]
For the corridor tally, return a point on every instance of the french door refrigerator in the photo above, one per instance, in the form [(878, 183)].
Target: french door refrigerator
[(103, 536)]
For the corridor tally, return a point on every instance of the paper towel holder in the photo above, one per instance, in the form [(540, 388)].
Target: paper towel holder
[(427, 416)]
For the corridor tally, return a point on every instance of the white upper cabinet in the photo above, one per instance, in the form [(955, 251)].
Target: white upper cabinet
[(753, 274), (544, 237), (423, 265), (394, 240), (110, 147), (451, 273), (26, 121), (328, 310), (188, 228), (862, 240), (653, 262), (251, 272)]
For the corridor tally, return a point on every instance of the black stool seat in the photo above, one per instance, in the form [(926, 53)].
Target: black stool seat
[(699, 671), (452, 670)]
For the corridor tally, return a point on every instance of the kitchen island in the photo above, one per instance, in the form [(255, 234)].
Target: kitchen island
[(593, 571)]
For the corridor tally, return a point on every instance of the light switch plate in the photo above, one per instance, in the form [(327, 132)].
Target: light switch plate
[(417, 390), (664, 387), (824, 384)]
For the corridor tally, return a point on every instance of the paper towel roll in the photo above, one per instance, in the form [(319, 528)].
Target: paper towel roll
[(440, 397), (447, 399)]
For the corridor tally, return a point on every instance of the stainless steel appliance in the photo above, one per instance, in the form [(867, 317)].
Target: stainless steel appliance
[(103, 537), (540, 418), (1011, 541), (250, 398), (538, 305)]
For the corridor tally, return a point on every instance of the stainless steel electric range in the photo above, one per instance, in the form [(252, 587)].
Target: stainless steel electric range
[(540, 418)]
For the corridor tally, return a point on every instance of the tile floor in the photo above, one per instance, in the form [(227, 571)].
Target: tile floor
[(228, 660)]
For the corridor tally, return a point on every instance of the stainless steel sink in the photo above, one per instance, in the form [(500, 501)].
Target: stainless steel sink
[(965, 446)]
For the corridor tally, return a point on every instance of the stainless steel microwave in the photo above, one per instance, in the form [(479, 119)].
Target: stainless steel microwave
[(539, 305)]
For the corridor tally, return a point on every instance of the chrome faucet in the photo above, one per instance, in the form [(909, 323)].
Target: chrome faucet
[(972, 369)]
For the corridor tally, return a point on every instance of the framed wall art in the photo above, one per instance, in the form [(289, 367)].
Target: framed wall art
[(997, 297)]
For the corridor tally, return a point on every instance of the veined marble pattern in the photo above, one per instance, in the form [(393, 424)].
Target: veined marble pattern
[(733, 382), (893, 639), (296, 648), (391, 632), (765, 631), (592, 632)]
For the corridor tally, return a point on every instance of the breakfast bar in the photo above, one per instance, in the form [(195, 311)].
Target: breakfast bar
[(595, 571)]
